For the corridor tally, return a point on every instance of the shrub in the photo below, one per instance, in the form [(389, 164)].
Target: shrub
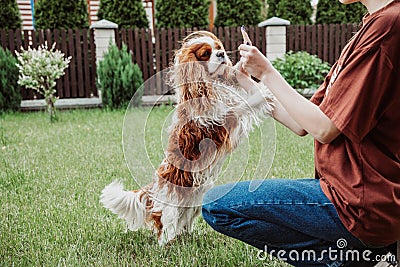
[(39, 69), (119, 78), (238, 12), (182, 13), (127, 14), (336, 12), (61, 14), (302, 70), (10, 91), (297, 12), (9, 15)]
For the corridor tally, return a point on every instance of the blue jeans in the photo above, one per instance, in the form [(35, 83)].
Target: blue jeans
[(290, 219)]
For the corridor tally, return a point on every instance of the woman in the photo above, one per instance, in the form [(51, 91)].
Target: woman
[(354, 204)]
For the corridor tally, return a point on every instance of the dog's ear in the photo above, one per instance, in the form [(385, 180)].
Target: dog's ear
[(190, 78)]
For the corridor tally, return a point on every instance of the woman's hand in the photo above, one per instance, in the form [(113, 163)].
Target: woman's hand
[(254, 62), (292, 109)]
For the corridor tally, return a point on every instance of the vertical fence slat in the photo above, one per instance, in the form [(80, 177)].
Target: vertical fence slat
[(41, 37), (93, 75), (170, 45), (26, 39), (309, 43), (144, 58), (128, 40), (85, 54), (11, 40), (18, 39), (338, 45), (60, 82), (157, 59), (325, 41), (71, 49), (314, 40), (124, 39), (3, 38), (79, 63), (331, 43), (150, 56), (163, 48), (64, 48), (49, 38)]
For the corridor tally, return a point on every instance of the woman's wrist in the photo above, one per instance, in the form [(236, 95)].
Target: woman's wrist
[(266, 74)]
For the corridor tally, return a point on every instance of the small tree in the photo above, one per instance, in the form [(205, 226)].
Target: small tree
[(297, 12), (61, 14), (10, 91), (39, 69), (238, 12), (182, 13), (336, 12), (127, 14), (119, 78), (9, 15)]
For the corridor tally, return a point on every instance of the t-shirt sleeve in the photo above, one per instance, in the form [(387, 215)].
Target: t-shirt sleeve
[(354, 100)]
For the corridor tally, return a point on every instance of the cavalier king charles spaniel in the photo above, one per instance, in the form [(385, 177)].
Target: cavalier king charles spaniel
[(213, 114)]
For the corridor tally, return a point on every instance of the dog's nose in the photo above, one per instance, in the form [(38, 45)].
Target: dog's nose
[(220, 54)]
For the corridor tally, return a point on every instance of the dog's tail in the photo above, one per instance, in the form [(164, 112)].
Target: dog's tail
[(128, 205)]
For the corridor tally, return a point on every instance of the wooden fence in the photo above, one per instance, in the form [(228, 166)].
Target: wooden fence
[(153, 52), (80, 78), (326, 41)]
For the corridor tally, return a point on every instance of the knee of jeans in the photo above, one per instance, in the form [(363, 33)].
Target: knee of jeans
[(212, 210)]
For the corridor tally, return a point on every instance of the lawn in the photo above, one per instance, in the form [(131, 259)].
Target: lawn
[(51, 176)]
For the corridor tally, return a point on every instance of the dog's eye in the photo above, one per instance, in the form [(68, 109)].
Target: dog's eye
[(206, 54)]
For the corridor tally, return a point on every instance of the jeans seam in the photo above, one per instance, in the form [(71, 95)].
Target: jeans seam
[(281, 203)]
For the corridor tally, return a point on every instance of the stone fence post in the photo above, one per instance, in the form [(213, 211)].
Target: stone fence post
[(276, 37), (104, 33)]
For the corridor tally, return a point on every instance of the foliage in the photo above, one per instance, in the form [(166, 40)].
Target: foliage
[(238, 12), (302, 70), (297, 12), (39, 69), (182, 13), (9, 15), (61, 14), (119, 78), (127, 14), (336, 12), (10, 91)]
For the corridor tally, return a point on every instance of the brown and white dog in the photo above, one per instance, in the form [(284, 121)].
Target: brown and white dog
[(213, 114)]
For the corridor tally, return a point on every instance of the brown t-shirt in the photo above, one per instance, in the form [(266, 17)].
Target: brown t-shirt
[(359, 171)]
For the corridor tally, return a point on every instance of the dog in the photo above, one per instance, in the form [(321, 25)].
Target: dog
[(213, 114)]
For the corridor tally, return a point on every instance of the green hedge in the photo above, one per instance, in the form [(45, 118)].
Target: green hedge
[(10, 91), (302, 70), (9, 15), (335, 12), (61, 14), (127, 14), (238, 12), (182, 13), (297, 12)]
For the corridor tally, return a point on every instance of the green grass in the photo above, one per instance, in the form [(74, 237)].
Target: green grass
[(51, 176)]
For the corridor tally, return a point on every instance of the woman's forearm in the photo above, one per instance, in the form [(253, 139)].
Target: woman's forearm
[(280, 114), (304, 113)]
